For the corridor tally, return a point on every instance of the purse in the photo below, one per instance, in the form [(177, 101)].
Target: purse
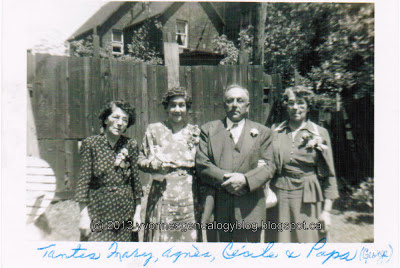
[(270, 197)]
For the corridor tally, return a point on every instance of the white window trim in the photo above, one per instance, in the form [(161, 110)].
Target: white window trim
[(119, 44), (185, 45)]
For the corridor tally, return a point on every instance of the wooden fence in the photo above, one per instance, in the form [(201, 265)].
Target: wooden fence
[(68, 93)]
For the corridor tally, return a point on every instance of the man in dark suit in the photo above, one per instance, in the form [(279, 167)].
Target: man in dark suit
[(227, 160)]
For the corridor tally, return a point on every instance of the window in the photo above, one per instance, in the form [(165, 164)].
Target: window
[(117, 40), (182, 33)]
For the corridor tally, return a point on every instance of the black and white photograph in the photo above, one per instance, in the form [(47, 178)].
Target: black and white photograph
[(233, 132)]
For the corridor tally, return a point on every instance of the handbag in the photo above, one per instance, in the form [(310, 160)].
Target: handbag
[(270, 197)]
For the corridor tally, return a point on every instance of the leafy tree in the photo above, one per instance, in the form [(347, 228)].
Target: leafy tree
[(332, 45)]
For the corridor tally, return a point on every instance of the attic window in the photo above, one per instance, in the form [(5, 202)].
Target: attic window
[(117, 40), (182, 33)]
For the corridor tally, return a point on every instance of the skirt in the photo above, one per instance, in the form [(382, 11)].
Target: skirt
[(292, 220), (170, 214)]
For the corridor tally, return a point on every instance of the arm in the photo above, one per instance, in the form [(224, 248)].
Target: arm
[(82, 189), (85, 175), (208, 172), (257, 177), (147, 161), (325, 167), (136, 184), (326, 170)]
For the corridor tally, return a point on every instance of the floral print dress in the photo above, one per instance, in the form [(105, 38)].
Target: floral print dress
[(171, 198), (110, 185)]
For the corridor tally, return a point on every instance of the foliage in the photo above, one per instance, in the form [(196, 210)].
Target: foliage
[(331, 44), (139, 50), (364, 194), (226, 48)]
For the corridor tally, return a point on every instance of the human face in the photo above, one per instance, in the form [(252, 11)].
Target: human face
[(117, 121), (236, 104), (177, 109), (297, 108)]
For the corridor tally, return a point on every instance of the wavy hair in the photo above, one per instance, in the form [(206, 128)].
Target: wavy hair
[(176, 92), (125, 106)]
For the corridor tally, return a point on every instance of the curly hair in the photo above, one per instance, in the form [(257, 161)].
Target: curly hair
[(300, 92), (175, 92), (125, 106)]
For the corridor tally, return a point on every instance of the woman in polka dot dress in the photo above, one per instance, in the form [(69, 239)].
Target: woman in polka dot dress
[(109, 189), (168, 153)]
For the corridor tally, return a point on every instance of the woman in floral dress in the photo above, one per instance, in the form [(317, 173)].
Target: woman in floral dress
[(168, 153), (109, 189), (305, 181)]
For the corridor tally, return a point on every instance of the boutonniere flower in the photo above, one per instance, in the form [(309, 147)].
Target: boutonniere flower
[(121, 157), (254, 132), (311, 141), (194, 137)]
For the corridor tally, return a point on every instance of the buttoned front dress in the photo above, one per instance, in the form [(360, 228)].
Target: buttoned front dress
[(305, 178), (171, 199), (110, 191)]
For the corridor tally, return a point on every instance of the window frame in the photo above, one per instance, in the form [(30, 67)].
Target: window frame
[(117, 44), (186, 34)]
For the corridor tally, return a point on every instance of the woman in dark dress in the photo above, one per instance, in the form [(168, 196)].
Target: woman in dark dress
[(109, 190), (305, 181)]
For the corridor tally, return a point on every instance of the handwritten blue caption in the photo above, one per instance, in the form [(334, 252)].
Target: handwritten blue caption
[(320, 251)]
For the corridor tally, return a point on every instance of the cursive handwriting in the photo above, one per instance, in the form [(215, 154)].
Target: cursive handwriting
[(78, 252), (231, 252), (128, 254), (317, 250), (320, 251), (169, 253), (381, 255)]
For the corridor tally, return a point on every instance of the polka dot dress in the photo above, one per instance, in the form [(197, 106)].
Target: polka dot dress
[(170, 200), (109, 187)]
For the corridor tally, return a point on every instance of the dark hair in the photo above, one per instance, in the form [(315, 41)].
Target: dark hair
[(175, 92), (125, 106), (300, 92)]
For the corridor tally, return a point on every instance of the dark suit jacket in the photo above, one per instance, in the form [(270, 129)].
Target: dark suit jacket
[(218, 155)]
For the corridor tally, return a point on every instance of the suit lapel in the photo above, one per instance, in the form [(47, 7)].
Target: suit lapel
[(218, 136), (246, 142)]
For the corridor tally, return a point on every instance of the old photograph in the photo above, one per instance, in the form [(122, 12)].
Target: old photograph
[(229, 124)]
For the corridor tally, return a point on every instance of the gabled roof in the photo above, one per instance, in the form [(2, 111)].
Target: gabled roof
[(99, 18), (163, 10)]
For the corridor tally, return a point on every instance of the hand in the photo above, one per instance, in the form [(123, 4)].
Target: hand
[(136, 218), (84, 222), (235, 183), (168, 165), (326, 218), (261, 162)]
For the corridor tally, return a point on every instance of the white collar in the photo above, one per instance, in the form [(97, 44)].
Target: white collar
[(229, 123)]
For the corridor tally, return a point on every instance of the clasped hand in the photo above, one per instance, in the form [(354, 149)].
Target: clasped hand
[(235, 183)]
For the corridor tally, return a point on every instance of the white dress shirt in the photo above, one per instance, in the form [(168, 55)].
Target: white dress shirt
[(235, 131)]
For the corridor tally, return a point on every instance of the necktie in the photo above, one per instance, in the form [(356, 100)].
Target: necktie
[(234, 130)]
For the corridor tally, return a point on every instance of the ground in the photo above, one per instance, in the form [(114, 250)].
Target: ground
[(348, 225)]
